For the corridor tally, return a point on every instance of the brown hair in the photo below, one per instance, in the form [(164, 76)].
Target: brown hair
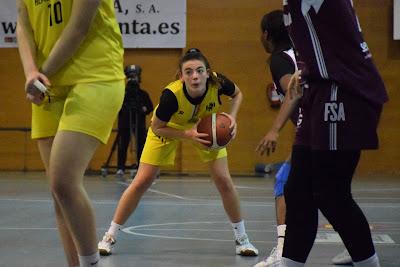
[(195, 54)]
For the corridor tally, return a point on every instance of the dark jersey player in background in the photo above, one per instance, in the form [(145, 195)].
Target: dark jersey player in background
[(341, 111), (283, 64)]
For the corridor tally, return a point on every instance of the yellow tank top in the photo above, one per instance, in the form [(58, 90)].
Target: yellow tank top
[(100, 56), (188, 114)]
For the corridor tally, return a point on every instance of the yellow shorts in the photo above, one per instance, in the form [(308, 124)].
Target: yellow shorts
[(161, 151), (89, 108)]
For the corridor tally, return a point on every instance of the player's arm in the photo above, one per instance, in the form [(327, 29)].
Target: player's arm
[(269, 141), (232, 90), (236, 101), (82, 15), (160, 128), (26, 43), (283, 69), (167, 107), (27, 52)]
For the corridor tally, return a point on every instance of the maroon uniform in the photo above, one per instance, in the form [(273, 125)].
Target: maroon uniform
[(346, 91), (341, 106)]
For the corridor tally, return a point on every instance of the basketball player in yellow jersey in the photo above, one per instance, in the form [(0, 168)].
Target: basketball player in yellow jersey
[(73, 47), (182, 104)]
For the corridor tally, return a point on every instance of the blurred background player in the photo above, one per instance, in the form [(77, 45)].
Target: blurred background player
[(195, 94), (132, 118), (62, 43), (282, 62)]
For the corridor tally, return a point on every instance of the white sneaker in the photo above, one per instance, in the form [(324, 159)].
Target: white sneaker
[(342, 258), (106, 245), (244, 247), (274, 257)]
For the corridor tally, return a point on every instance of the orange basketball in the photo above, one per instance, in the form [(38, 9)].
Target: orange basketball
[(216, 126)]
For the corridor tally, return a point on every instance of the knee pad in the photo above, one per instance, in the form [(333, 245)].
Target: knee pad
[(281, 178)]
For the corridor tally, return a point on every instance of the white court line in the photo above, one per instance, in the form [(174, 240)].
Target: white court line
[(324, 237), (128, 230), (243, 197), (376, 198), (353, 190), (190, 180), (51, 201), (37, 228), (376, 189), (27, 200), (167, 194), (159, 192), (253, 188), (333, 237), (192, 238), (27, 228), (204, 230), (146, 201), (152, 202), (189, 223)]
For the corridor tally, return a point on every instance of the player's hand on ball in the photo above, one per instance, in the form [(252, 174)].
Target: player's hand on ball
[(218, 129), (233, 125), (195, 136)]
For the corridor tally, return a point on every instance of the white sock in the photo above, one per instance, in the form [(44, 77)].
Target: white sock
[(285, 262), (114, 229), (281, 229), (238, 229), (370, 262), (90, 261)]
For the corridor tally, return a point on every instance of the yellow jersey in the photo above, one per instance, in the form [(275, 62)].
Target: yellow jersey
[(187, 113), (100, 56)]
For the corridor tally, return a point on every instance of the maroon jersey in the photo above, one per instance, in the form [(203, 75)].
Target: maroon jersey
[(327, 35)]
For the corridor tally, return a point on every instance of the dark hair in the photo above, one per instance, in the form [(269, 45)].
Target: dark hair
[(273, 23), (195, 54)]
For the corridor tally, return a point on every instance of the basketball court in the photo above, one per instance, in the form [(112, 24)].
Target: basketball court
[(180, 222)]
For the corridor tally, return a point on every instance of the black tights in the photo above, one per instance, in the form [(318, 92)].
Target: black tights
[(322, 180)]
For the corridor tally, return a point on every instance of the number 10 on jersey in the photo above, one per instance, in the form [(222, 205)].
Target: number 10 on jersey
[(55, 13)]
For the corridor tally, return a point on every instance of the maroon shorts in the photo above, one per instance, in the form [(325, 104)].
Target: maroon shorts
[(332, 118)]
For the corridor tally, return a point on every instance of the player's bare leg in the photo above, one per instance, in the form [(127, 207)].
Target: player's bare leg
[(67, 167), (130, 198), (66, 237), (127, 204), (220, 173)]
